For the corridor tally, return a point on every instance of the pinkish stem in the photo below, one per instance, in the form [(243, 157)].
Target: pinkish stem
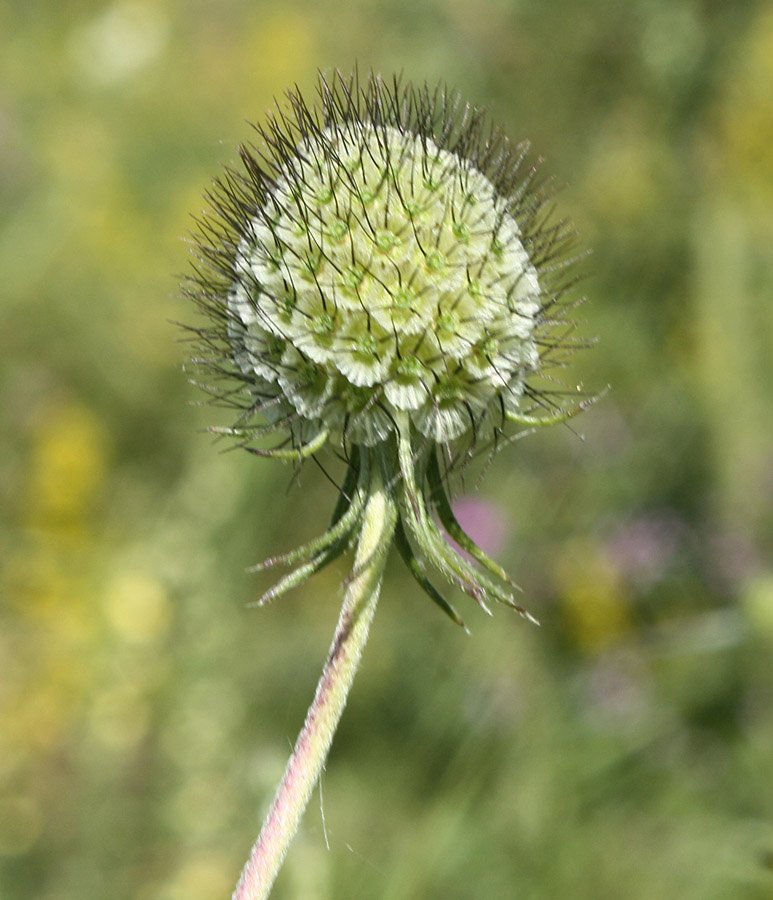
[(311, 749)]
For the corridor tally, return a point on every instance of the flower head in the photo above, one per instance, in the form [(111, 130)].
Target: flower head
[(380, 275)]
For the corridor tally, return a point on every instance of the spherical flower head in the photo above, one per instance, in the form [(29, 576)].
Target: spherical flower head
[(385, 276), (380, 275)]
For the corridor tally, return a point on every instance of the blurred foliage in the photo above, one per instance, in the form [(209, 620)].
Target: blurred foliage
[(622, 750)]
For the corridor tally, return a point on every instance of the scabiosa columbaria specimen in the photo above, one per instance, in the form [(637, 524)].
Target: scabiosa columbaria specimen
[(380, 276)]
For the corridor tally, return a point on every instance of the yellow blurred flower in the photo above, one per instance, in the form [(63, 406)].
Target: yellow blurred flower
[(138, 608), (594, 602), (67, 468), (745, 112)]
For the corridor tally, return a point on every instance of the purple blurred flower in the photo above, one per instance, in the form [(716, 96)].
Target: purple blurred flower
[(484, 522)]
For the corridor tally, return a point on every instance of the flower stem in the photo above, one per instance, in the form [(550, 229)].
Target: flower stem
[(311, 748)]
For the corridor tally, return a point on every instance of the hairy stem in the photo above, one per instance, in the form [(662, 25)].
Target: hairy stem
[(311, 749)]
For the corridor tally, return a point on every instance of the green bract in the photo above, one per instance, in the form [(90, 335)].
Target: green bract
[(379, 275)]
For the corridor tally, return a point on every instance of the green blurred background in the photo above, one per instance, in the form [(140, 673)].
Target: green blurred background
[(622, 750)]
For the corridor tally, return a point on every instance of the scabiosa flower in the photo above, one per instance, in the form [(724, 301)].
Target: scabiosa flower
[(380, 275)]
